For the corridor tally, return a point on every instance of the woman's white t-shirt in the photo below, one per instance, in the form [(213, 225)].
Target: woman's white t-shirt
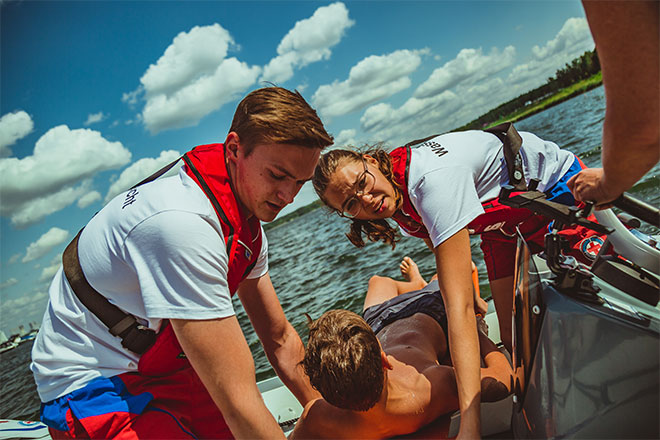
[(157, 252), (452, 174)]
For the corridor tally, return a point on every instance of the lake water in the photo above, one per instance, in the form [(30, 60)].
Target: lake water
[(315, 268)]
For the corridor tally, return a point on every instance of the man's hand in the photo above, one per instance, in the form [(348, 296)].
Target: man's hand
[(282, 345), (589, 185)]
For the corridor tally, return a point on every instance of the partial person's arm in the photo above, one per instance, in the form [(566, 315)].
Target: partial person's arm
[(280, 340), (496, 375), (218, 352), (453, 263), (628, 44)]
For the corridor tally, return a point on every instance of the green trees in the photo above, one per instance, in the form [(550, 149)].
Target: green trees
[(579, 69)]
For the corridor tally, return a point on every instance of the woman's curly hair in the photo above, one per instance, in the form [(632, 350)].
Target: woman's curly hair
[(375, 230)]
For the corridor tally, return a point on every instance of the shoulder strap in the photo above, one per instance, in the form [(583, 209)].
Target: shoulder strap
[(134, 336), (512, 142), (158, 173)]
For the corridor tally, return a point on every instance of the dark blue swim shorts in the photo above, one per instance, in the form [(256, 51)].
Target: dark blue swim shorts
[(427, 300)]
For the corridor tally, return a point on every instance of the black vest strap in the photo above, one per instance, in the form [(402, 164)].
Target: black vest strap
[(511, 142), (134, 336)]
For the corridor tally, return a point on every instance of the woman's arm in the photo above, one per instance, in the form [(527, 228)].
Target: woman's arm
[(453, 264)]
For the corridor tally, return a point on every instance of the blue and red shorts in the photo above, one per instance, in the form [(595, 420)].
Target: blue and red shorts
[(164, 399)]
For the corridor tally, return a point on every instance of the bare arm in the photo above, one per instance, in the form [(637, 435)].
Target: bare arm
[(496, 376), (280, 340), (226, 369), (453, 263), (626, 36)]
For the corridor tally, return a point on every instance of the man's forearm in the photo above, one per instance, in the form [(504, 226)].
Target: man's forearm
[(285, 359), (626, 36)]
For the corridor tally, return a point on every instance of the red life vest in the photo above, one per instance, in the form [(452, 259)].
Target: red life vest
[(496, 215), (406, 216), (163, 371), (206, 165)]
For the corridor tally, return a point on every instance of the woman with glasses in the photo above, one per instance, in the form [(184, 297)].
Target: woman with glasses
[(443, 190)]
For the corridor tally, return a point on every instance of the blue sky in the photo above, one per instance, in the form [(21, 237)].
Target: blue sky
[(96, 95)]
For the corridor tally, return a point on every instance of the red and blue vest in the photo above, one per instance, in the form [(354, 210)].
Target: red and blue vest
[(495, 217)]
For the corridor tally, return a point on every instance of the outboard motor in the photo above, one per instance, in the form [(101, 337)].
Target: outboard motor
[(586, 343)]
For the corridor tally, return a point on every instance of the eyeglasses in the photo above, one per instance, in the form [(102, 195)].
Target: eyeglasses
[(363, 185)]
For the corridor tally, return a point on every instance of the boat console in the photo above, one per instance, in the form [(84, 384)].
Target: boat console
[(586, 342)]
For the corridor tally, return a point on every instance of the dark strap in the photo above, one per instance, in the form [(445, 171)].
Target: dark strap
[(158, 173), (134, 336), (511, 142)]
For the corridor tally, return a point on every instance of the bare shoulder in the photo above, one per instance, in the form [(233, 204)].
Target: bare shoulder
[(323, 420)]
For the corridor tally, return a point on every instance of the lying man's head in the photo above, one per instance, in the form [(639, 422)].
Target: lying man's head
[(343, 360)]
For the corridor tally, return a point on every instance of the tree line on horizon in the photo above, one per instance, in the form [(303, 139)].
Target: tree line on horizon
[(579, 69)]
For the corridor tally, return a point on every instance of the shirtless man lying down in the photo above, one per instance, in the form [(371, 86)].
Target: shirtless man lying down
[(389, 373)]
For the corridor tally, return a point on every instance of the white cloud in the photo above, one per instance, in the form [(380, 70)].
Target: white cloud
[(191, 79), (309, 41), (345, 138), (8, 283), (49, 272), (88, 199), (93, 118), (14, 258), (131, 98), (571, 41), (471, 84), (416, 118), (25, 308), (54, 237), (372, 79), (469, 66), (13, 126), (38, 185), (140, 170)]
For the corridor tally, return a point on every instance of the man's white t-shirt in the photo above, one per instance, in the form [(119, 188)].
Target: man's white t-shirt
[(452, 174), (157, 252)]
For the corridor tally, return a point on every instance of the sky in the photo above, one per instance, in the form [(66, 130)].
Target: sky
[(96, 95)]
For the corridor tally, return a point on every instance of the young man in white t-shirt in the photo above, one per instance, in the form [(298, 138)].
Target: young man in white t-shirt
[(170, 254)]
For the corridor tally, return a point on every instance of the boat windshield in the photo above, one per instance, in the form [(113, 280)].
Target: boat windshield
[(527, 314)]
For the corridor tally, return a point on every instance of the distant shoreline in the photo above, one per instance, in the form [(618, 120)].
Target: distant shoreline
[(560, 96)]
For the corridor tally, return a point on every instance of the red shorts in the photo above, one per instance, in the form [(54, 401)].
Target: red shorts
[(165, 399)]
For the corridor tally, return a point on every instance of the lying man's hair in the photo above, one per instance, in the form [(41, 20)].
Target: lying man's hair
[(343, 362)]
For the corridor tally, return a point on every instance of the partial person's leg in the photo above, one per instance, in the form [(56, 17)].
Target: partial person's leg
[(410, 272), (382, 288), (502, 290), (500, 259), (496, 374)]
